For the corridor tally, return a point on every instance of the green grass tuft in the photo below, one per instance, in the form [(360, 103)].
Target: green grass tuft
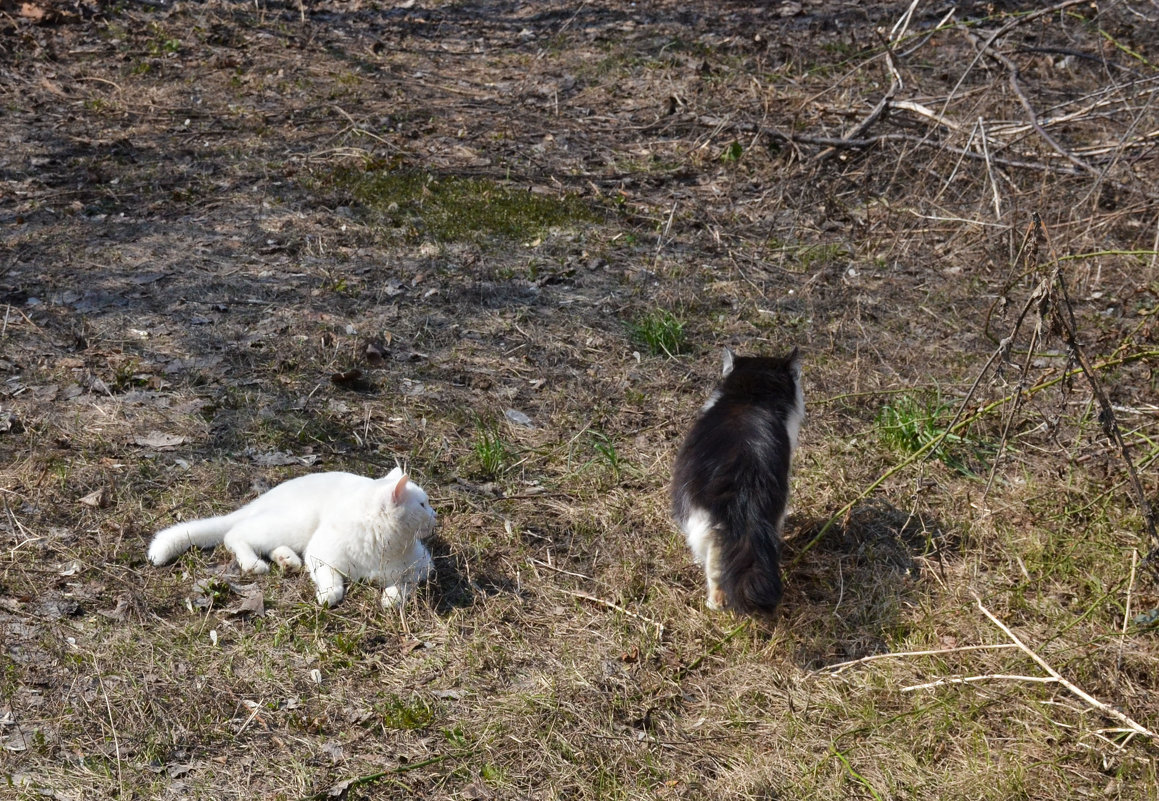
[(909, 423), (454, 209), (661, 332), (491, 451)]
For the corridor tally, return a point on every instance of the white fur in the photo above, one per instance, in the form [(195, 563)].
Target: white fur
[(796, 415), (712, 399), (343, 527), (701, 541)]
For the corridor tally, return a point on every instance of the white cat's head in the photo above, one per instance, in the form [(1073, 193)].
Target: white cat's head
[(408, 503)]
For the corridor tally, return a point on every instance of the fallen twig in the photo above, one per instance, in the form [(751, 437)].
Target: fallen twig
[(973, 679), (597, 600), (842, 666), (1106, 709)]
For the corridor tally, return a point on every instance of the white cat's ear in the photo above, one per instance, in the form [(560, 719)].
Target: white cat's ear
[(728, 358), (794, 359), (399, 491)]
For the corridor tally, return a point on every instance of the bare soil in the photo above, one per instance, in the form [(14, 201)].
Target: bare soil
[(242, 241)]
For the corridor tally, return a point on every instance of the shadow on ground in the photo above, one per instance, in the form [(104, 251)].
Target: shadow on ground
[(855, 585)]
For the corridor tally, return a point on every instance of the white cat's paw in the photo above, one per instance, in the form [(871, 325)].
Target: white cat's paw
[(286, 558), (258, 566), (329, 597), (393, 597)]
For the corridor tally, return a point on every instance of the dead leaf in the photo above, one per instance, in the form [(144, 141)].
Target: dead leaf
[(476, 791), (338, 790), (159, 440), (412, 645), (53, 87), (252, 603), (9, 422), (18, 740), (121, 612), (334, 751), (100, 498), (280, 458), (454, 695)]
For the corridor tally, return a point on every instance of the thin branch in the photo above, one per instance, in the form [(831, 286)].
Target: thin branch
[(972, 679), (858, 144), (594, 599), (1032, 116), (1106, 709), (840, 667), (1064, 314)]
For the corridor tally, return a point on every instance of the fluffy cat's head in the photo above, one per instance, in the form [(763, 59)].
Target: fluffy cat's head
[(408, 503), (773, 380)]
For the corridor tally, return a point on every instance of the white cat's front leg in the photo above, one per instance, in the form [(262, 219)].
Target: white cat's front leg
[(395, 596), (329, 583), (419, 569)]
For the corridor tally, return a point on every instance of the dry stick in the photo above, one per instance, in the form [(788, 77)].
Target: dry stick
[(112, 727), (1127, 611), (1009, 26), (1039, 294), (1065, 316), (594, 599), (972, 679), (918, 140), (928, 113), (930, 447), (882, 106), (1032, 115), (1106, 709), (990, 170), (840, 667)]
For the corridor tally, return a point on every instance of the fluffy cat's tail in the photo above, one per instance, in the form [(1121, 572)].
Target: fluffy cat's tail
[(168, 543), (750, 568)]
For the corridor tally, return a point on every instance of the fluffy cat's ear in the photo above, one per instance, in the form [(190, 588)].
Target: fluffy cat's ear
[(728, 358), (396, 495), (794, 360)]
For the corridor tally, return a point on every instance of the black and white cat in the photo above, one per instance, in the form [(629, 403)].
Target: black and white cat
[(730, 484), (343, 526)]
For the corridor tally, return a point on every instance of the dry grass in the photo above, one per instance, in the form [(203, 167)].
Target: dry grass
[(211, 211)]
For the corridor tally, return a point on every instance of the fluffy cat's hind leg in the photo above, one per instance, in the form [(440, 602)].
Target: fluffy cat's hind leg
[(716, 599), (701, 537), (247, 558), (285, 557)]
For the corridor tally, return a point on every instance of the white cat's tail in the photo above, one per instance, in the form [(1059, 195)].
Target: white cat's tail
[(168, 543)]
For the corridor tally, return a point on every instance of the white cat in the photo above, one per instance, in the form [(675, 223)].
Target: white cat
[(343, 526)]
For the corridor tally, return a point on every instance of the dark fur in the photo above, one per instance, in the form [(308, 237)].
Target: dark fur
[(735, 465)]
